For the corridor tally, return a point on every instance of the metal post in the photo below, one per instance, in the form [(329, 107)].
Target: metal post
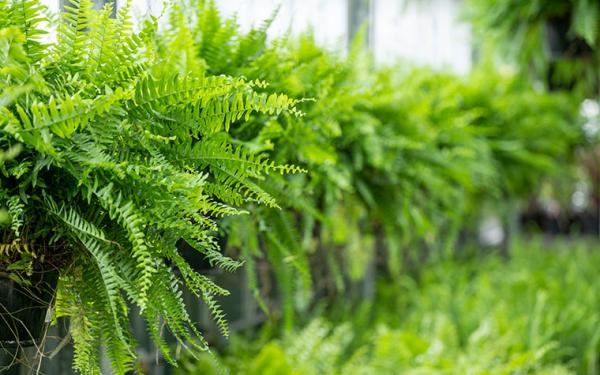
[(359, 14), (99, 4)]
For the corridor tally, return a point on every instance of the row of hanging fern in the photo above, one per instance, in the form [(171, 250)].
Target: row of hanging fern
[(399, 158)]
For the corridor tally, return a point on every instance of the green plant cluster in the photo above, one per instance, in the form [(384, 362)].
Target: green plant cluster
[(529, 33), (538, 313), (399, 157), (118, 149), (116, 162)]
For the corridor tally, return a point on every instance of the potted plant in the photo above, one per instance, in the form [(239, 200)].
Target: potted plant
[(117, 162)]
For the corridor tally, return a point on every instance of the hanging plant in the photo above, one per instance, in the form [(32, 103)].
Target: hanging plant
[(555, 40), (117, 162)]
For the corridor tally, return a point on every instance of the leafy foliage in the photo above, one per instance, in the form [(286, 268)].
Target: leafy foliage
[(556, 40), (398, 156), (118, 162), (537, 313), (126, 148)]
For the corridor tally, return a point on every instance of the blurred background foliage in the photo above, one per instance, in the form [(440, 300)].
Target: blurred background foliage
[(536, 313), (405, 162), (400, 157)]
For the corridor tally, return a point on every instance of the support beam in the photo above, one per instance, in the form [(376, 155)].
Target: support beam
[(99, 4), (359, 14)]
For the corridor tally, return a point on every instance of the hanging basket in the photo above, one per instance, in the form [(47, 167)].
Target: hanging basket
[(23, 308)]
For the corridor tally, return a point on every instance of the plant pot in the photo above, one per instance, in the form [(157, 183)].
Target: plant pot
[(23, 307)]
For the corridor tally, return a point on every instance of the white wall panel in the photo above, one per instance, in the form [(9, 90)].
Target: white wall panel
[(327, 17), (424, 31), (51, 4)]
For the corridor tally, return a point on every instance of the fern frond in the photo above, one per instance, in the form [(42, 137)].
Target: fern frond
[(73, 31), (29, 17), (126, 214), (109, 282), (16, 213), (217, 313)]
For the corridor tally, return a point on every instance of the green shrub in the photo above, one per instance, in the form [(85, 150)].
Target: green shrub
[(536, 313), (398, 157), (120, 148)]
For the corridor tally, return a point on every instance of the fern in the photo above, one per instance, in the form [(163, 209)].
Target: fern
[(398, 154), (28, 15), (125, 150), (15, 212), (121, 160)]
